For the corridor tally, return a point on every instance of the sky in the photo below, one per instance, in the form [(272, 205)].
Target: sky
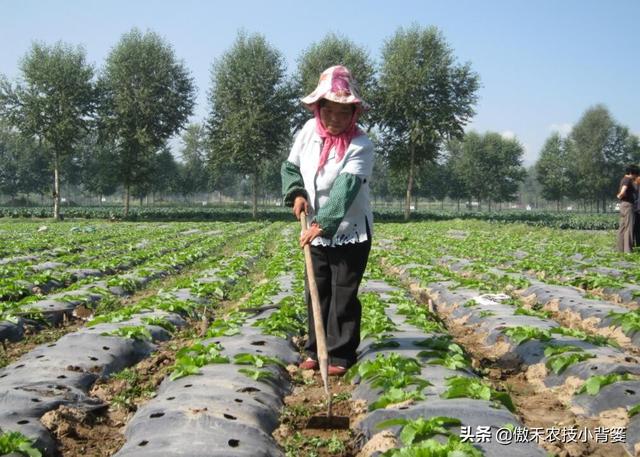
[(542, 63)]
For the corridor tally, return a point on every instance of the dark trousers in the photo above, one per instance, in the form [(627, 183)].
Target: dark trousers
[(338, 273), (636, 229)]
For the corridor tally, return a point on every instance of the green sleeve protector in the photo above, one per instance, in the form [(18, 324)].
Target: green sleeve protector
[(343, 193), (292, 183)]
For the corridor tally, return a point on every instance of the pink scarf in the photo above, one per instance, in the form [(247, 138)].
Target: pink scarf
[(341, 142)]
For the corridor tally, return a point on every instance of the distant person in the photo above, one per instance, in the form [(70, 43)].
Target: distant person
[(627, 196), (636, 211)]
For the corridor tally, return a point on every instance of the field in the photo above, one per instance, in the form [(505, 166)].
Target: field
[(182, 338)]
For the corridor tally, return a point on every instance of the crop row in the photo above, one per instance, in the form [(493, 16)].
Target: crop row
[(225, 396), (575, 221), (53, 308), (582, 259), (20, 282), (513, 327), (66, 370), (78, 252), (581, 309), (36, 239)]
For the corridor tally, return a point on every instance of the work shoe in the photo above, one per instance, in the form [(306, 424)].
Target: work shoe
[(336, 370), (308, 364)]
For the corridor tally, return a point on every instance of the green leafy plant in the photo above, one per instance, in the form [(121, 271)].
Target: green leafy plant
[(629, 321), (464, 387), (134, 388), (11, 442), (521, 311), (289, 319), (395, 395), (190, 359), (134, 332), (117, 316), (385, 344), (390, 371), (228, 326), (560, 362), (420, 429), (256, 374), (433, 448), (598, 340), (523, 334), (167, 302), (593, 384), (592, 281), (447, 354), (257, 360), (127, 284), (437, 343), (160, 322), (634, 410), (452, 361), (487, 313)]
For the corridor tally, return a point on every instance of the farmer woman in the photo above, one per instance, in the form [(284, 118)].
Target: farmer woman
[(327, 176)]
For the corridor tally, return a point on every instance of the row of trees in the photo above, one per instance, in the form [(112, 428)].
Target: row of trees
[(107, 130), (143, 96), (589, 162)]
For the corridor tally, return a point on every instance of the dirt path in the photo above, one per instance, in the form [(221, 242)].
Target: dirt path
[(309, 399)]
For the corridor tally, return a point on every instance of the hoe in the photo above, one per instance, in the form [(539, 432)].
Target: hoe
[(329, 421)]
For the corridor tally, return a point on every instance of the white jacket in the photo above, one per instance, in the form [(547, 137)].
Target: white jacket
[(358, 160)]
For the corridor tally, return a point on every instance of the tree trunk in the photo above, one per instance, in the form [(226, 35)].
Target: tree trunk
[(255, 196), (407, 202), (127, 196), (56, 188)]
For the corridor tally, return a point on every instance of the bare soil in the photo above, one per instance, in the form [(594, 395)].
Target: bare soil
[(100, 433), (309, 399)]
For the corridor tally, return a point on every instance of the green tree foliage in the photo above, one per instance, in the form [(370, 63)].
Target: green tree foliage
[(250, 108), (147, 96), (457, 188), (25, 165), (53, 102), (166, 179), (98, 163), (193, 170), (163, 176), (600, 150), (503, 163), (424, 97), (488, 166), (531, 189), (332, 50), (433, 180), (553, 169)]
